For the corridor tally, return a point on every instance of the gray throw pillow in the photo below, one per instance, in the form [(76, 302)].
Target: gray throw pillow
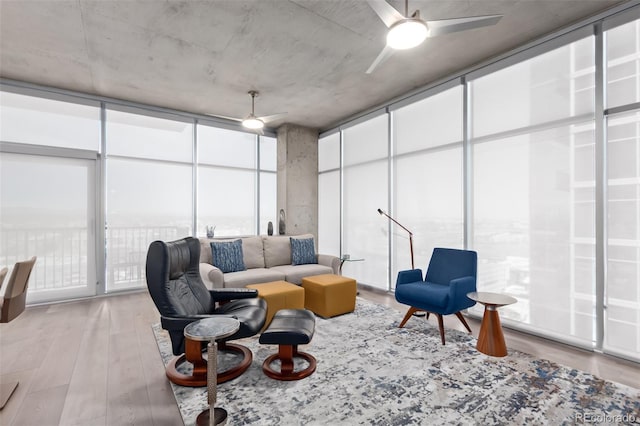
[(303, 251), (227, 256)]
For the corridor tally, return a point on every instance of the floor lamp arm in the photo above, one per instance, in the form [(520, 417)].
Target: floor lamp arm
[(401, 226)]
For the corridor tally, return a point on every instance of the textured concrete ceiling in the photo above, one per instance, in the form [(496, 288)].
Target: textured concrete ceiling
[(306, 57)]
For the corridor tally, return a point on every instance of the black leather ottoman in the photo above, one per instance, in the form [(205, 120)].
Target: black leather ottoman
[(288, 329)]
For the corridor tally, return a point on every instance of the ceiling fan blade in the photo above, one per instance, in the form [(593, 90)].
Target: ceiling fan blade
[(386, 12), (223, 117), (267, 118), (446, 26), (383, 56)]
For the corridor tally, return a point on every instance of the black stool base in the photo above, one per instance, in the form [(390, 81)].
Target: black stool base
[(220, 417)]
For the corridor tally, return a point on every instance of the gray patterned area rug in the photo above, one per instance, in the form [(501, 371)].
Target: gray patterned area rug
[(370, 372)]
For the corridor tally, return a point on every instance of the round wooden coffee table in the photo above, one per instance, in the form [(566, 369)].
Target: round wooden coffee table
[(491, 337)]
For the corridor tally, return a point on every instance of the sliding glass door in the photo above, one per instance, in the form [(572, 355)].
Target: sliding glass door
[(48, 153), (48, 210)]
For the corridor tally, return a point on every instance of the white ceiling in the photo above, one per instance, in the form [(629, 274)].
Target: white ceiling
[(306, 57)]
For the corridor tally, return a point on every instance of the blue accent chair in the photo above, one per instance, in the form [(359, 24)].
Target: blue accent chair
[(450, 276)]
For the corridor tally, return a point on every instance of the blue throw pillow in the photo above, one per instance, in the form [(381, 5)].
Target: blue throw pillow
[(303, 251), (227, 256)]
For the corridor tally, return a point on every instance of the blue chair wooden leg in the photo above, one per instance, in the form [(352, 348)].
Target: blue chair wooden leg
[(407, 316), (441, 325)]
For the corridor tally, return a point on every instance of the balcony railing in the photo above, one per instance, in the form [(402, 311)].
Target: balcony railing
[(127, 253), (63, 252)]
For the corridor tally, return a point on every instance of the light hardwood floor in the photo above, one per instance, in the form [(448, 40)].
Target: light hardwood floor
[(95, 362), (92, 362)]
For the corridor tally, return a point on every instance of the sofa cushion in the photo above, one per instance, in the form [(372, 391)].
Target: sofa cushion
[(205, 251), (295, 274), (251, 276), (227, 255), (303, 251), (277, 251), (253, 252)]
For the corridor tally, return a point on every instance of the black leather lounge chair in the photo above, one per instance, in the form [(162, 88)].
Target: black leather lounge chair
[(174, 282)]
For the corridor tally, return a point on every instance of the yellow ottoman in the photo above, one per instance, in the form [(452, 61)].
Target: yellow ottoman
[(329, 295), (279, 295)]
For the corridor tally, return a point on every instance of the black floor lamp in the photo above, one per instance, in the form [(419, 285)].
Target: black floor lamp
[(410, 234)]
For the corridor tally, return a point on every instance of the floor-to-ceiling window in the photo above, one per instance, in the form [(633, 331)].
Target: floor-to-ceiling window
[(533, 188), (427, 169), (622, 292), (329, 194), (514, 158), (229, 157), (149, 189), (366, 188), (86, 184), (48, 192), (268, 174)]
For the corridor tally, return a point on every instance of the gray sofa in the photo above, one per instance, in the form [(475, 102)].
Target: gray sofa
[(267, 258)]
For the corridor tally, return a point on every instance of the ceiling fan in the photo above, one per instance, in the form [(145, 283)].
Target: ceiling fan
[(252, 121), (407, 31), (257, 123)]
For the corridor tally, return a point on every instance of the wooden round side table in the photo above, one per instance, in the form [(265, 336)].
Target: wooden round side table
[(210, 329), (491, 338)]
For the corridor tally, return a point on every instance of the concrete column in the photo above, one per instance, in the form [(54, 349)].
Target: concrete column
[(298, 179)]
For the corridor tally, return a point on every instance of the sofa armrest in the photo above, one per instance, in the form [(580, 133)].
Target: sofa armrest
[(331, 261), (212, 277)]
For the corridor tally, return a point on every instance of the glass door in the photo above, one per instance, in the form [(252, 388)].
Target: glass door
[(48, 210)]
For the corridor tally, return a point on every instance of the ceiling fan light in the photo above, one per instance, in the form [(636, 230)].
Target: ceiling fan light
[(253, 123), (407, 33)]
